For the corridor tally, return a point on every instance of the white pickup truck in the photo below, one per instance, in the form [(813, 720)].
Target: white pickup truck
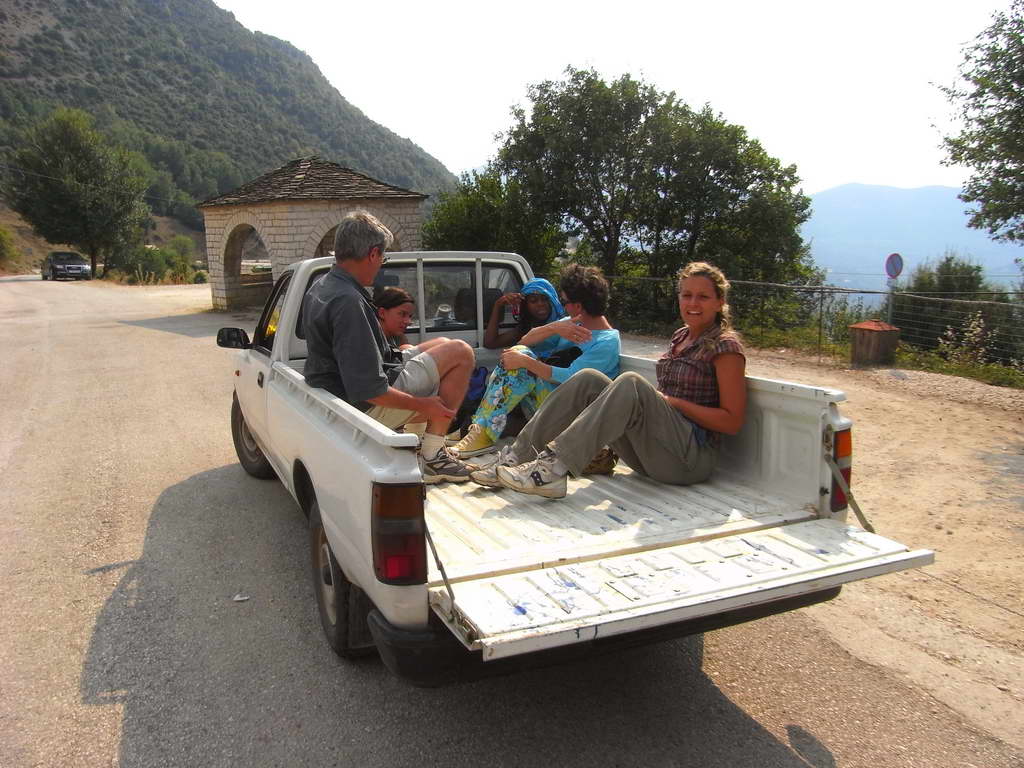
[(452, 581)]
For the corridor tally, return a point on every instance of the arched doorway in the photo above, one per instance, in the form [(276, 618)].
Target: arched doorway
[(247, 269)]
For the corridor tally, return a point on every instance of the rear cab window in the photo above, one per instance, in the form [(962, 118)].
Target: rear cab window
[(449, 288), (450, 291)]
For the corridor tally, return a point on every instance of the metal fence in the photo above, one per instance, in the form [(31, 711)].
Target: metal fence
[(817, 317), (994, 330)]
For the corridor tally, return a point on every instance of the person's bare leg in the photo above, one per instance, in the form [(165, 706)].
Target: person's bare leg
[(432, 343), (455, 361)]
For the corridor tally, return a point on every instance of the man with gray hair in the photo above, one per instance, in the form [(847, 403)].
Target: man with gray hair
[(349, 356)]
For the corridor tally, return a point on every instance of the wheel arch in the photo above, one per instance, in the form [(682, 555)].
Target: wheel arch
[(304, 490)]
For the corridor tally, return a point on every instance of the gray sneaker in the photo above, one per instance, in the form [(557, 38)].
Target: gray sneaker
[(488, 475), (537, 477), (444, 466)]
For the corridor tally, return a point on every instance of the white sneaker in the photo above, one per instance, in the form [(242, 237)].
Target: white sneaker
[(537, 477), (488, 474)]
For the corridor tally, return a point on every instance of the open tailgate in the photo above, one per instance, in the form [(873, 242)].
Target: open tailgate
[(543, 608)]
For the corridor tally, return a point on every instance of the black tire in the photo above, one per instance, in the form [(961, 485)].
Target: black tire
[(249, 454), (42, 275), (343, 607)]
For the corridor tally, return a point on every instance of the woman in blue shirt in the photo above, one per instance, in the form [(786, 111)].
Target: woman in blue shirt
[(548, 355)]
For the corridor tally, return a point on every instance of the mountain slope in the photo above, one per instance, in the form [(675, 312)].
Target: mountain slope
[(188, 72), (854, 227)]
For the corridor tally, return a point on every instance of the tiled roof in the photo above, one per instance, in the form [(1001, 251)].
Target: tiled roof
[(874, 325), (310, 178)]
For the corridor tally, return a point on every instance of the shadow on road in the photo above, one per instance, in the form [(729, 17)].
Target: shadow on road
[(207, 680)]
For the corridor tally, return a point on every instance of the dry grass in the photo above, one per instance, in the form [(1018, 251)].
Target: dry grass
[(30, 247)]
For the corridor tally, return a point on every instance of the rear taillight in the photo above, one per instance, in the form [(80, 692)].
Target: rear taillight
[(397, 529), (842, 452)]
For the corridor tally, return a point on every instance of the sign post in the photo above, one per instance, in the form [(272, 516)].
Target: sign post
[(893, 268)]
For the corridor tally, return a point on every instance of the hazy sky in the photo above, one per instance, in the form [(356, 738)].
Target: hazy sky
[(848, 92)]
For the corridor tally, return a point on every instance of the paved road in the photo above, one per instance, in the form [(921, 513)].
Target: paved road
[(128, 528)]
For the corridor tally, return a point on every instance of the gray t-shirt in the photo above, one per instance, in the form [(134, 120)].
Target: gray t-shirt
[(346, 346)]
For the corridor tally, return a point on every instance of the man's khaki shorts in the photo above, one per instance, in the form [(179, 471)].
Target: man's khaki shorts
[(419, 378)]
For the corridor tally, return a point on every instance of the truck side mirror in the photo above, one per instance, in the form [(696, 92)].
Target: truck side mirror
[(233, 338)]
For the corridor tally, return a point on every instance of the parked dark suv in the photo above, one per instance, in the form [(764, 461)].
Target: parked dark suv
[(59, 264)]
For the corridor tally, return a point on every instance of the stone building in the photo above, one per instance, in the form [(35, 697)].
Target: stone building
[(294, 210)]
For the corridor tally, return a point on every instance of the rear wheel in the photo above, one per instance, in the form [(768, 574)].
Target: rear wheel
[(249, 454), (343, 606)]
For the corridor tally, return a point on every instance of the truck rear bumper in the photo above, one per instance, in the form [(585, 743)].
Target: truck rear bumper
[(434, 657)]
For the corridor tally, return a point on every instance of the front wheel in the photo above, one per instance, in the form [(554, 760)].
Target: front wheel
[(343, 607), (249, 454)]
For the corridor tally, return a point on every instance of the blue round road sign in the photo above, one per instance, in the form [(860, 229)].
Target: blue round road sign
[(894, 265)]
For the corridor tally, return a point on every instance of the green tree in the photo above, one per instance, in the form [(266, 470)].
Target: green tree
[(181, 257), (486, 212), (581, 153), (627, 165), (718, 196), (990, 103), (73, 187)]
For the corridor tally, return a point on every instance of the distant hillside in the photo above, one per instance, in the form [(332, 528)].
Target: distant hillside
[(204, 99), (854, 227)]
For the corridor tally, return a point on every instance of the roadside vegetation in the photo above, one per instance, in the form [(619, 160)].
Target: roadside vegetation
[(8, 254), (74, 186), (173, 264)]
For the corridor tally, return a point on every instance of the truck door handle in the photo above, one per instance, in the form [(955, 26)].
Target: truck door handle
[(259, 378)]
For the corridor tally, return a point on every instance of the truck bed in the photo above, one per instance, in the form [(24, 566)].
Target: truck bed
[(481, 531), (624, 553)]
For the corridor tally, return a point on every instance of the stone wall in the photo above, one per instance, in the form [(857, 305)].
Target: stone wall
[(291, 231)]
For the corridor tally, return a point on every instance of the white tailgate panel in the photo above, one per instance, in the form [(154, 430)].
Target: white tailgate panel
[(548, 607)]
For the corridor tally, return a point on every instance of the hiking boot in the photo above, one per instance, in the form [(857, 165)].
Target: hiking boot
[(476, 442), (602, 464), (444, 466), (537, 477), (488, 475)]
